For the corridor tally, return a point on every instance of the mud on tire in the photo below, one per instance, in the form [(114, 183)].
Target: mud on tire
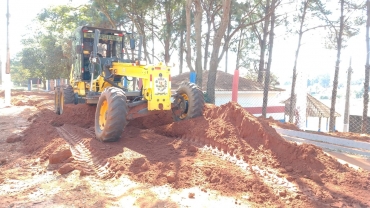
[(110, 115), (190, 101)]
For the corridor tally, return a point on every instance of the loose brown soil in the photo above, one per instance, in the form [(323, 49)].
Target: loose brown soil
[(226, 158)]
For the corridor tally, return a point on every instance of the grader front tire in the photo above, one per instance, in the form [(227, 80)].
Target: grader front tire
[(110, 115), (190, 101)]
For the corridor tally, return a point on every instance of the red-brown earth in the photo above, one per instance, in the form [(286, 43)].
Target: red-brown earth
[(227, 157)]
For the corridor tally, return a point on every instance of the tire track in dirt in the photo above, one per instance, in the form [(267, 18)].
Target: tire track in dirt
[(270, 177), (82, 154)]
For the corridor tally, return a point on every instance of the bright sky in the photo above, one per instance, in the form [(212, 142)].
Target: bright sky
[(22, 13), (314, 58)]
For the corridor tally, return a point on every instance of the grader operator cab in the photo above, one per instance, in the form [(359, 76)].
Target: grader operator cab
[(101, 75)]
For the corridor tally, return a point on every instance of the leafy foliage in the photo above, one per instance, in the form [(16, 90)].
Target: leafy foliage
[(46, 51), (20, 75)]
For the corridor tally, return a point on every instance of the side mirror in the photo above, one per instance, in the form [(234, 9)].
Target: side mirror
[(78, 49), (132, 44)]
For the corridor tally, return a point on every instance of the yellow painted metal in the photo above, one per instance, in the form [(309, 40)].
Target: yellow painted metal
[(155, 80), (185, 96), (81, 88), (61, 100), (101, 84), (71, 79), (132, 70), (160, 87), (103, 114)]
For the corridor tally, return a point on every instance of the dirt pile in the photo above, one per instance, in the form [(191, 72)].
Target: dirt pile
[(232, 130), (227, 149)]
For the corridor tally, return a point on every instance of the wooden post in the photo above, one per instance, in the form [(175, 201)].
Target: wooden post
[(319, 124)]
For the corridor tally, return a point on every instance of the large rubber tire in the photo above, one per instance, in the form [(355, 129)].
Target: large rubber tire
[(190, 101), (110, 115), (69, 95)]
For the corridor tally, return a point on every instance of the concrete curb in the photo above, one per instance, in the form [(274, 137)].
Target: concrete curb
[(325, 139)]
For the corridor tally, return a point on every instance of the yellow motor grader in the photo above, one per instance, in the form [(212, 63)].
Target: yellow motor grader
[(100, 75)]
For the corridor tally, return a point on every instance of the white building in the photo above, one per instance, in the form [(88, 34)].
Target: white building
[(250, 93)]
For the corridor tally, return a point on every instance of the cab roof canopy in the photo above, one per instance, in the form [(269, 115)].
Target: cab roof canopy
[(102, 30)]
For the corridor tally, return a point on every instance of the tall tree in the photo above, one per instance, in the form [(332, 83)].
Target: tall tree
[(339, 35), (20, 75), (198, 12), (137, 12), (302, 18), (198, 41), (188, 34), (216, 48), (243, 17), (271, 45), (42, 55), (58, 23), (211, 8), (339, 31), (182, 27), (173, 15), (263, 41)]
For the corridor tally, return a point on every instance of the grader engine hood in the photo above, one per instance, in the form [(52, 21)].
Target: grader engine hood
[(158, 90)]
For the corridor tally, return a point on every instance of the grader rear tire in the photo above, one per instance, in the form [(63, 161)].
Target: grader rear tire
[(68, 95), (190, 101), (110, 115)]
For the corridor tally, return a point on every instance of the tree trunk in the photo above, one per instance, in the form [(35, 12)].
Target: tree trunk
[(262, 43), (216, 49), (141, 28), (188, 33), (238, 53), (208, 36), (294, 78), (227, 37), (168, 33), (367, 69), (181, 50), (198, 42), (267, 77), (44, 83), (146, 53), (335, 81), (152, 39)]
